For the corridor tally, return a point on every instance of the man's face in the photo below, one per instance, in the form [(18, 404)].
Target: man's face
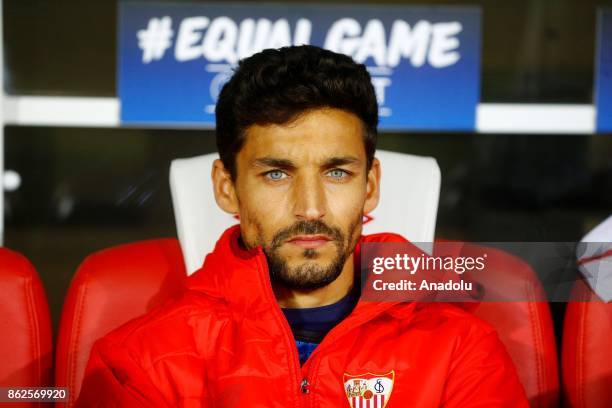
[(301, 190)]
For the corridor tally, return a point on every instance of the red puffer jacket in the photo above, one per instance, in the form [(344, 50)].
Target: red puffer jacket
[(226, 343)]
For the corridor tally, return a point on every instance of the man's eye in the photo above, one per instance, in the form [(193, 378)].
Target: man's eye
[(338, 173), (276, 175)]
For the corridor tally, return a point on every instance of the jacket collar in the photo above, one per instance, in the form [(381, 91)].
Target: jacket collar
[(240, 277)]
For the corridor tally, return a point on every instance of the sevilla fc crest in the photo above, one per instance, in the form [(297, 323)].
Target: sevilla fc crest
[(368, 390)]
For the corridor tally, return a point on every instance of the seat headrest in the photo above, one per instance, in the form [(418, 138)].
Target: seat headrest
[(410, 187)]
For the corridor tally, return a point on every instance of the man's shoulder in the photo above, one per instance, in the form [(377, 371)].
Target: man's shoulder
[(452, 319), (169, 327)]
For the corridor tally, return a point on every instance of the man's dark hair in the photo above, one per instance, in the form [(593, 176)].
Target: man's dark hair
[(276, 86)]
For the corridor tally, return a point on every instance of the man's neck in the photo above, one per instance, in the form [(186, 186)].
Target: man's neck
[(327, 295)]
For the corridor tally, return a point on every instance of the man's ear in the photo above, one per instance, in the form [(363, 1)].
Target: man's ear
[(372, 187), (223, 186)]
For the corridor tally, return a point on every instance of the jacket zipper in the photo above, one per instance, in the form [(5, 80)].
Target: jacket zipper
[(305, 386), (301, 378), (311, 365), (303, 389)]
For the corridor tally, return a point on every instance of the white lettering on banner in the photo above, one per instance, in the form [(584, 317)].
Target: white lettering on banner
[(217, 83), (254, 35), (436, 43), (443, 44), (373, 43), (261, 34), (225, 41), (280, 36), (188, 43), (155, 39), (220, 40), (408, 43), (303, 30), (342, 36), (380, 83)]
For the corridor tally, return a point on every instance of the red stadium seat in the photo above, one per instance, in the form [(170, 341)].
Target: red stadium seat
[(25, 345), (586, 352), (110, 288), (525, 327)]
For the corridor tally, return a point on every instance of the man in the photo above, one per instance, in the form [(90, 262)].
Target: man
[(273, 318)]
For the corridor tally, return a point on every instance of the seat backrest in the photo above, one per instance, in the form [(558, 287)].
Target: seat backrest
[(525, 327), (594, 258), (25, 345), (110, 288), (586, 351), (410, 187)]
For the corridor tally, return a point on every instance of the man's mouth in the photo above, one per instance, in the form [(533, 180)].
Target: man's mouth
[(309, 241)]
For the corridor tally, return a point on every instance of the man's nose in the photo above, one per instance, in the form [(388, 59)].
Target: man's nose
[(309, 198)]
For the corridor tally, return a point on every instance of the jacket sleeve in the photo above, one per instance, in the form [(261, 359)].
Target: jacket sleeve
[(483, 375), (113, 379)]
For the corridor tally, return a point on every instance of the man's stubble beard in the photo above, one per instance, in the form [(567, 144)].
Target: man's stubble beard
[(308, 275)]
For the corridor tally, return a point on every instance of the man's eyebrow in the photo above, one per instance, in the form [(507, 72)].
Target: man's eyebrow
[(273, 162), (341, 161), (290, 165)]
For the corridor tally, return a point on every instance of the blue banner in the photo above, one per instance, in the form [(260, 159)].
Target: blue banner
[(603, 88), (424, 61)]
